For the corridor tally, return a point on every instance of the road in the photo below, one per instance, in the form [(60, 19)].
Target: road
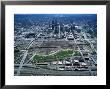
[(46, 72), (21, 63), (25, 55)]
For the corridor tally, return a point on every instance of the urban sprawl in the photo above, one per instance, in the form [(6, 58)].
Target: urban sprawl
[(55, 44)]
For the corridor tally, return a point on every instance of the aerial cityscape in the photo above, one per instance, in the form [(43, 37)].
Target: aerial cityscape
[(55, 44)]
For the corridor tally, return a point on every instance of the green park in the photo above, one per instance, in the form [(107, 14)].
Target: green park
[(57, 56)]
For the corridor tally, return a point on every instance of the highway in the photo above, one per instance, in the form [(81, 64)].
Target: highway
[(25, 55), (48, 72), (85, 36), (81, 54), (21, 63)]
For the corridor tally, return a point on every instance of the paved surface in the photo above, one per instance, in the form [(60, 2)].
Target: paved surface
[(40, 72), (22, 61)]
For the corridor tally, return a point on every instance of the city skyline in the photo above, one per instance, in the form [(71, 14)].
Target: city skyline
[(55, 44)]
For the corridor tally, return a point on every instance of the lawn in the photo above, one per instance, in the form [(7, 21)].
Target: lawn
[(59, 55)]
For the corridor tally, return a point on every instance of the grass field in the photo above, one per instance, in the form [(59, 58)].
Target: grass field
[(59, 55)]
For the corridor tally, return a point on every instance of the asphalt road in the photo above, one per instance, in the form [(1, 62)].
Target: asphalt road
[(29, 71)]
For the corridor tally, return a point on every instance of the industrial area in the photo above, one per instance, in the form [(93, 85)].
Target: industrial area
[(55, 45)]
